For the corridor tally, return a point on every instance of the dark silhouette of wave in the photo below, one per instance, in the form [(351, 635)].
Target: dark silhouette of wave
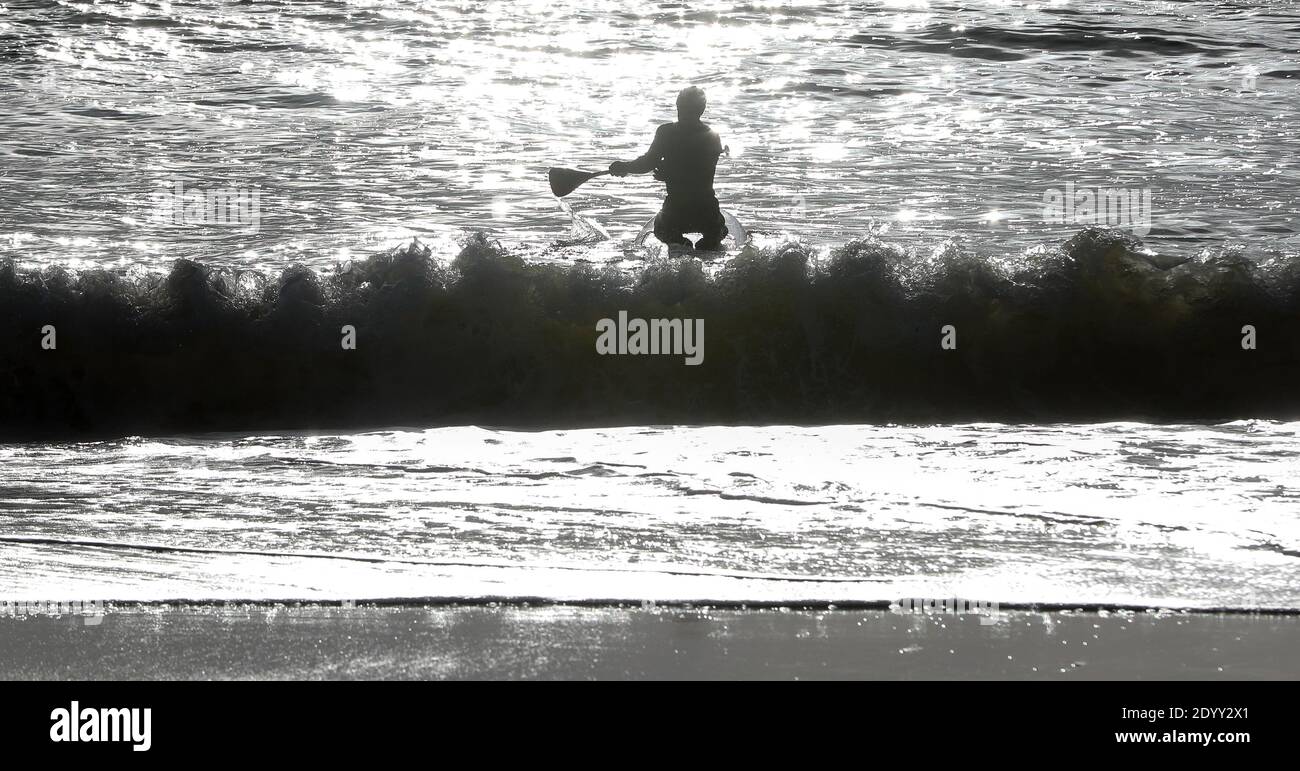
[(1095, 329)]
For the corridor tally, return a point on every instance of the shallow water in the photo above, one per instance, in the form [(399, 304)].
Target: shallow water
[(1183, 516), (363, 124), (241, 641)]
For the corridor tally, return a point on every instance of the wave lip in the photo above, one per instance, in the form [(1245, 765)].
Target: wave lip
[(1099, 328)]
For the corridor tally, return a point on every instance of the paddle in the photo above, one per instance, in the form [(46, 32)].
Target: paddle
[(565, 181)]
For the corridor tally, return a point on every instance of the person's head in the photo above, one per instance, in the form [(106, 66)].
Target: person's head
[(691, 103)]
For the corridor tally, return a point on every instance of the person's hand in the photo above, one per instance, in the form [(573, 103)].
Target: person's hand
[(618, 168)]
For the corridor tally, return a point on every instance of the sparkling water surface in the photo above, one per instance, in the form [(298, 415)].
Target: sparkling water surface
[(1183, 516), (363, 124)]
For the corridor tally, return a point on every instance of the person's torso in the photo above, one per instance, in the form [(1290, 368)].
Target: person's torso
[(690, 160)]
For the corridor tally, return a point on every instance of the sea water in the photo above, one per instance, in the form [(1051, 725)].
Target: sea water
[(362, 124), (957, 139), (1113, 513)]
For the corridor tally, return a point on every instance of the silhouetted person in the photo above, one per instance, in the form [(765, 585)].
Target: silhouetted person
[(684, 155)]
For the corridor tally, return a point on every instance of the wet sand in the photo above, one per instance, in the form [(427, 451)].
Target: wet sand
[(568, 642)]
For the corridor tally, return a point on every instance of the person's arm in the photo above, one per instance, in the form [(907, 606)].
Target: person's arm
[(645, 163)]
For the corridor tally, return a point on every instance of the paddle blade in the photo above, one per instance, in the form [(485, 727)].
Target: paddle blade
[(565, 181)]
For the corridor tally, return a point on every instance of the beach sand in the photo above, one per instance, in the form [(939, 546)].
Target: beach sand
[(264, 641)]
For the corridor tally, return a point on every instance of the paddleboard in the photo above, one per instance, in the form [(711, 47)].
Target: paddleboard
[(736, 231)]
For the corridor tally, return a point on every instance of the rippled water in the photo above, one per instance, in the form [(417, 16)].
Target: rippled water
[(362, 124), (1120, 513)]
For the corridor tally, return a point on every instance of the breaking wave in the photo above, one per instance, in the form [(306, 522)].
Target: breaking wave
[(1098, 328)]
